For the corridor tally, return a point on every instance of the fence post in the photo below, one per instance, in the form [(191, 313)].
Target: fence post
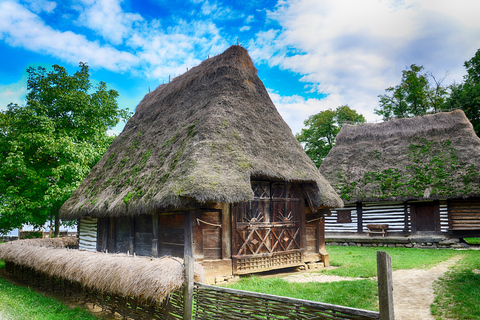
[(188, 263), (385, 286)]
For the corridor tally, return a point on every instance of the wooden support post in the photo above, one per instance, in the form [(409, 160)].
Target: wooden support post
[(359, 217), (155, 235), (321, 243), (188, 262), (385, 286), (226, 231)]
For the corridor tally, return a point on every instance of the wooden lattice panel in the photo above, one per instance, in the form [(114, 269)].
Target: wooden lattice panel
[(249, 264)]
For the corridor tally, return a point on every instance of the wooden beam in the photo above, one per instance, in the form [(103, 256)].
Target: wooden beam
[(359, 217), (226, 231), (385, 286), (188, 263), (155, 235)]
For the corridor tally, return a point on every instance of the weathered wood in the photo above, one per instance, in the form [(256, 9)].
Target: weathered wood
[(385, 285), (155, 235), (226, 231), (359, 217), (188, 261)]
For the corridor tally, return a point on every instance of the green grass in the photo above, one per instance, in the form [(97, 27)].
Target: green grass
[(361, 294), (472, 240), (457, 293), (19, 303), (351, 262), (362, 261)]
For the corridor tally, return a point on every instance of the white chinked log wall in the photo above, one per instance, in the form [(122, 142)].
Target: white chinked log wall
[(88, 234), (391, 213)]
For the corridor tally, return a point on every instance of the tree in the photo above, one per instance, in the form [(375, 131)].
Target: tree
[(467, 94), (49, 145), (322, 128), (414, 96)]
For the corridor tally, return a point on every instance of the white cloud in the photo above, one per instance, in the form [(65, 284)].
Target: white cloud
[(352, 50), (20, 27), (107, 19), (245, 28)]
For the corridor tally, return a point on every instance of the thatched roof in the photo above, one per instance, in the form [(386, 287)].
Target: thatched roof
[(149, 279), (201, 137), (430, 157)]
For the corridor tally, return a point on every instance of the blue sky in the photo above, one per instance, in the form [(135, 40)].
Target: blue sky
[(312, 55)]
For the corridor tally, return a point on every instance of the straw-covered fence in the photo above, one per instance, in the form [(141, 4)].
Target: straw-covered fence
[(149, 281)]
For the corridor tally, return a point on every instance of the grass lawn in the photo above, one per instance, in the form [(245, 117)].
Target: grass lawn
[(361, 262), (457, 293), (19, 303)]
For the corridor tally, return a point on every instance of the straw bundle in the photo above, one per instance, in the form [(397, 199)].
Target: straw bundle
[(62, 242), (147, 279)]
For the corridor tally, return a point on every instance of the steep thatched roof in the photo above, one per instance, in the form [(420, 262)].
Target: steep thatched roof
[(431, 157), (202, 136), (150, 279)]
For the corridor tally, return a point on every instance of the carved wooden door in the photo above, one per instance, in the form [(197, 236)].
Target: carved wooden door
[(268, 230)]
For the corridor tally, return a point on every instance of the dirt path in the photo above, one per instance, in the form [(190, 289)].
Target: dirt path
[(412, 289)]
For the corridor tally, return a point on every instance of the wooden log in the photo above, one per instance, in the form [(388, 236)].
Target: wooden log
[(226, 231), (385, 285), (188, 262)]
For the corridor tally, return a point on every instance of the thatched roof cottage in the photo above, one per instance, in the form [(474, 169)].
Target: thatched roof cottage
[(207, 149), (418, 175)]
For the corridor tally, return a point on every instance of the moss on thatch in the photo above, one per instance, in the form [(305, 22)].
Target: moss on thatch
[(201, 137), (148, 279), (430, 157)]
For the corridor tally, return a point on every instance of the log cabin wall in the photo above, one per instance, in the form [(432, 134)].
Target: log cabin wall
[(334, 225), (87, 234), (465, 214), (391, 213), (396, 214)]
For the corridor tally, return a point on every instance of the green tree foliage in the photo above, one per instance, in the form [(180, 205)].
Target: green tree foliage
[(467, 94), (414, 96), (49, 145), (321, 129)]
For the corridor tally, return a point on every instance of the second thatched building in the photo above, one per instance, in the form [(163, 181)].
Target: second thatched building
[(207, 162), (418, 176)]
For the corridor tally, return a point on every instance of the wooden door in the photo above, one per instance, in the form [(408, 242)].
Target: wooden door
[(425, 217), (268, 230)]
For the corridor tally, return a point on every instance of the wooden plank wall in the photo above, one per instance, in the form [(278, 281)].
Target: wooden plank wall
[(88, 234), (465, 214)]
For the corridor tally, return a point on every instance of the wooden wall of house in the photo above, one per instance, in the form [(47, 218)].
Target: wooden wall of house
[(444, 221), (392, 213), (161, 234), (87, 234), (465, 214), (335, 224), (146, 235), (396, 214)]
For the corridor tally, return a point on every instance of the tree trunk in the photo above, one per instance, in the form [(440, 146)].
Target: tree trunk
[(57, 226)]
